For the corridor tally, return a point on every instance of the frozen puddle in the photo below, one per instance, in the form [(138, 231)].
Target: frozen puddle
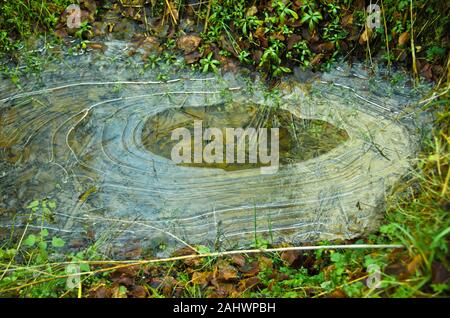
[(96, 139)]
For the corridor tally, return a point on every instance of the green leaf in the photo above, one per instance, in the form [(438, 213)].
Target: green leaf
[(41, 257), (30, 240), (337, 257), (33, 204), (84, 267), (80, 255), (328, 285), (44, 232), (42, 245), (122, 290), (57, 242), (203, 249), (293, 13), (305, 18), (11, 252), (318, 15)]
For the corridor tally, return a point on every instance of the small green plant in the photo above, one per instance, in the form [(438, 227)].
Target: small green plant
[(225, 53), (249, 24), (170, 44), (152, 61), (169, 58), (312, 18), (209, 64), (244, 57), (283, 11), (270, 56), (84, 31), (280, 70), (117, 88), (333, 9), (435, 52), (45, 207), (301, 53), (162, 77)]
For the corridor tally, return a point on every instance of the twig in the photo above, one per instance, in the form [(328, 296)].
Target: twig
[(413, 48), (18, 246), (208, 12), (386, 35), (171, 12), (445, 186)]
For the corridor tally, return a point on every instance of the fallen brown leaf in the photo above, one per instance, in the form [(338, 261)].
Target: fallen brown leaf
[(202, 278), (365, 36), (265, 263), (238, 259), (251, 269), (123, 280), (426, 71), (188, 43), (223, 290), (403, 39), (398, 270), (347, 20), (325, 47), (128, 270), (165, 284), (137, 292), (277, 36), (224, 271), (290, 257), (249, 283), (414, 264), (192, 57), (259, 34), (337, 294), (439, 274), (99, 46), (317, 59), (188, 251), (101, 292)]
